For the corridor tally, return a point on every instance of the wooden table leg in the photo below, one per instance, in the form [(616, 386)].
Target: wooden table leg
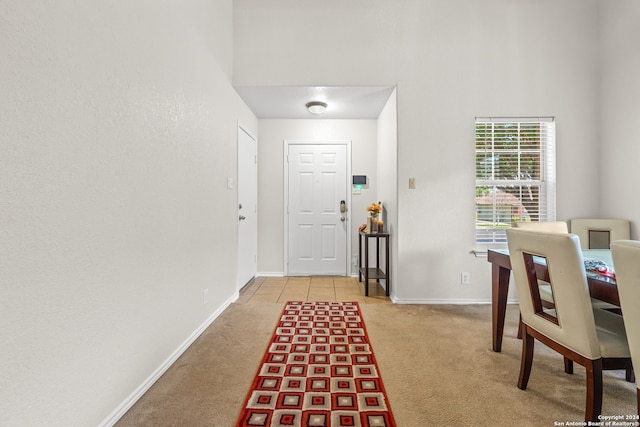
[(499, 289)]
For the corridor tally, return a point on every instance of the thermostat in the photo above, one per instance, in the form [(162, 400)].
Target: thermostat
[(359, 180)]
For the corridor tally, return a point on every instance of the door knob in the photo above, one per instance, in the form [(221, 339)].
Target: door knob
[(343, 219), (242, 217)]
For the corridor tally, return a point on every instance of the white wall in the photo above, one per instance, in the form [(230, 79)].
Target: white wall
[(273, 133), (451, 61), (387, 131), (619, 157), (118, 132)]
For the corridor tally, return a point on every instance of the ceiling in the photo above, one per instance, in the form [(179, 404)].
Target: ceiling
[(288, 102)]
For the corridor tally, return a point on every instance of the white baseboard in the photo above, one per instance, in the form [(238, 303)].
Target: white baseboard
[(122, 409), (396, 300), (438, 301), (281, 274), (270, 274)]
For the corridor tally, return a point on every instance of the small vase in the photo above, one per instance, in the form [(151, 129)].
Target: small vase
[(372, 224)]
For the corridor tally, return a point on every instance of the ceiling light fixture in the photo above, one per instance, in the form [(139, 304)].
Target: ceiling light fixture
[(316, 107)]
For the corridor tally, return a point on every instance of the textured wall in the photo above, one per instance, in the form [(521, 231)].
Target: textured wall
[(619, 155), (452, 60), (118, 132), (387, 172)]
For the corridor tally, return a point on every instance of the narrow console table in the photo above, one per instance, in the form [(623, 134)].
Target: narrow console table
[(375, 272)]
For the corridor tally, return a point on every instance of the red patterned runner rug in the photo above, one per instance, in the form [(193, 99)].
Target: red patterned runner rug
[(318, 371)]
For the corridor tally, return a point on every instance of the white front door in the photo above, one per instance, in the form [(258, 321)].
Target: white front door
[(247, 208), (317, 228)]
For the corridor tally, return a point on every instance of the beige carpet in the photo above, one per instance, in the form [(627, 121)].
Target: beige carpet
[(436, 363)]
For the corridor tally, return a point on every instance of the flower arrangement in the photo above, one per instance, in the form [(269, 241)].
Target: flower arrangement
[(374, 209), (373, 225)]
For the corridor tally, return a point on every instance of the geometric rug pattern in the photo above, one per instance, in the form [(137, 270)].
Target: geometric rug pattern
[(318, 371)]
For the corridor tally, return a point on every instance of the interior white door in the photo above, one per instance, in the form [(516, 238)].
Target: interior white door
[(317, 229), (247, 208)]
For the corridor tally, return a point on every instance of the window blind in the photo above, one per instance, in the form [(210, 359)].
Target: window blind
[(515, 174)]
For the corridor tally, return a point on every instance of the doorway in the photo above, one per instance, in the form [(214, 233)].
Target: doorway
[(316, 208), (247, 208)]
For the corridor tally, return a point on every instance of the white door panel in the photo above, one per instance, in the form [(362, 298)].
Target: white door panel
[(329, 237), (317, 230)]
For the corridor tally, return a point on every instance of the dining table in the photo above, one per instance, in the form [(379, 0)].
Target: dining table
[(601, 286)]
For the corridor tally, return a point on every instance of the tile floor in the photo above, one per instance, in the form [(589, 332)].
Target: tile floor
[(315, 288)]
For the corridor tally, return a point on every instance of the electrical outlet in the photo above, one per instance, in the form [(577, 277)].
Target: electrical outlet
[(354, 260), (465, 278), (205, 296)]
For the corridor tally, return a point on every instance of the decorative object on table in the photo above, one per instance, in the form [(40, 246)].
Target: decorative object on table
[(599, 267), (372, 225), (374, 210)]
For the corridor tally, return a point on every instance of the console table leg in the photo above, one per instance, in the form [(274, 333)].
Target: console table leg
[(386, 266), (360, 258), (366, 267)]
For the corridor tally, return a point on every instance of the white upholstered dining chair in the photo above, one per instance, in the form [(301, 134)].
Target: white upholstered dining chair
[(626, 259), (546, 292), (596, 233), (591, 337), (543, 226)]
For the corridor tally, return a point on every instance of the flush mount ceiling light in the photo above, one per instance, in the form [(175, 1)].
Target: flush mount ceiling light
[(316, 107)]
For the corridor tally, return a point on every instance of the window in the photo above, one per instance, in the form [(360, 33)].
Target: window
[(515, 174)]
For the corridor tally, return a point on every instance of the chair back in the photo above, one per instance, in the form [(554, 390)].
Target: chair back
[(571, 323), (626, 260), (543, 226), (597, 233)]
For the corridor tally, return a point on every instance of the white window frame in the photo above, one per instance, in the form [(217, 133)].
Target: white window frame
[(492, 234)]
